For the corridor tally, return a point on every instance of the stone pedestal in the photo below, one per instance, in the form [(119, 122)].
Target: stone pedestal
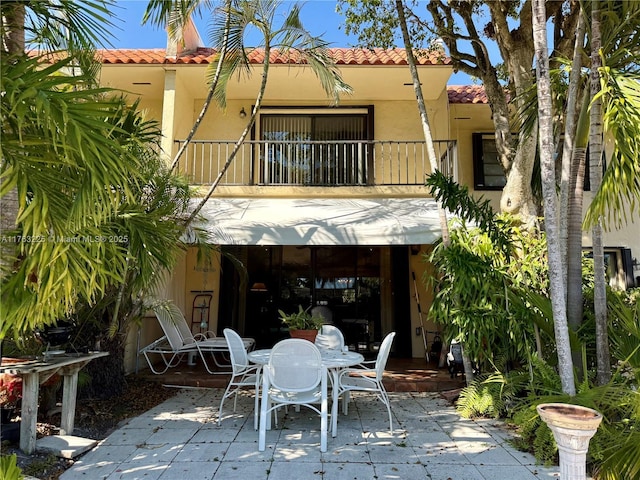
[(572, 427)]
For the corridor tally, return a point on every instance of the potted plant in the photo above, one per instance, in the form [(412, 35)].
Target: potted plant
[(302, 324)]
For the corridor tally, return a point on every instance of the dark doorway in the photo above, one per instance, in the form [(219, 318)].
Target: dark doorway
[(344, 279), (401, 297)]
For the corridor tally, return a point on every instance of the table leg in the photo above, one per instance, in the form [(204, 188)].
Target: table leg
[(69, 393), (323, 411), (30, 388), (334, 401)]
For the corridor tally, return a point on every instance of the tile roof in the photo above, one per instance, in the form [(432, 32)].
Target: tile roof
[(467, 94), (342, 56)]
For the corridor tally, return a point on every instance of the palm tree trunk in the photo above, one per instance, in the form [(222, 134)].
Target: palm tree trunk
[(570, 131), (14, 17), (209, 98), (14, 41), (426, 129), (557, 287), (571, 190), (574, 226), (428, 138), (595, 173), (238, 145)]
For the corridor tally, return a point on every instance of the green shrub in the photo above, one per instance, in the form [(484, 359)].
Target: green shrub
[(9, 469), (535, 436)]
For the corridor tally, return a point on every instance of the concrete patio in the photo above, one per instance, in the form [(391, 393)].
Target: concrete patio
[(180, 439)]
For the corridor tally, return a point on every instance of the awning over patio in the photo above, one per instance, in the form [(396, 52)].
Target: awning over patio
[(322, 221)]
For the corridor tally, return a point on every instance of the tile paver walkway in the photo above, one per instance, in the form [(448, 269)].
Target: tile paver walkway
[(180, 440)]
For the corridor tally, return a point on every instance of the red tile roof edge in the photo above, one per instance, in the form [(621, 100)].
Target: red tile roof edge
[(342, 56), (462, 94)]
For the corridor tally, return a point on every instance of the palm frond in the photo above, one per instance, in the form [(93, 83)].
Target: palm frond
[(175, 14), (619, 193), (70, 24), (622, 460)]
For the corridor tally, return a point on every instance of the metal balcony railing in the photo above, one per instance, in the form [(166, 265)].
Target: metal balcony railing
[(315, 163)]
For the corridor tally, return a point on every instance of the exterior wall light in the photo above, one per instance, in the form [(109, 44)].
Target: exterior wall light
[(242, 113)]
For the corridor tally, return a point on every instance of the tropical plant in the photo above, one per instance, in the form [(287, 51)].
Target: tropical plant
[(616, 84), (493, 394), (303, 319), (71, 157), (479, 279), (149, 220), (513, 395), (50, 26), (66, 152), (9, 467)]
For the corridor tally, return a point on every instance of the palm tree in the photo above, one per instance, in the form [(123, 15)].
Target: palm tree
[(74, 158), (176, 15), (620, 115), (428, 137), (615, 109), (73, 155), (289, 39), (148, 227), (51, 26), (571, 189), (547, 166), (595, 176)]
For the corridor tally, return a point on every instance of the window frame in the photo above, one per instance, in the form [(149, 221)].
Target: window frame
[(314, 112), (477, 141)]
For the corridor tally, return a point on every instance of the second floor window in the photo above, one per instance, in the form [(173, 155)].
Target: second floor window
[(487, 170), (314, 148)]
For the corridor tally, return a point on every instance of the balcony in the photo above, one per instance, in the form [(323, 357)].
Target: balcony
[(315, 163)]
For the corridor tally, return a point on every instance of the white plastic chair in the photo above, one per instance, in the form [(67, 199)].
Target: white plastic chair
[(330, 337), (294, 376), (367, 379), (243, 374)]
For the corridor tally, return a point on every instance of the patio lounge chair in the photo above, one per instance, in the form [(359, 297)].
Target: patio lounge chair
[(178, 341)]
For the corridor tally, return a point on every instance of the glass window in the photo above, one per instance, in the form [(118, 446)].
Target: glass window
[(487, 170)]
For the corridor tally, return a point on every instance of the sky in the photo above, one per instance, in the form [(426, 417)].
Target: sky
[(318, 16)]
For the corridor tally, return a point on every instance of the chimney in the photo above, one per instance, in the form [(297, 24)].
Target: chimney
[(187, 40)]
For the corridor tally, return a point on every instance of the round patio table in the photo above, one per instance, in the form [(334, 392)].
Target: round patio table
[(333, 360)]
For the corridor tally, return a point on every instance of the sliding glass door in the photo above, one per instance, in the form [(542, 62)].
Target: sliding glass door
[(314, 149)]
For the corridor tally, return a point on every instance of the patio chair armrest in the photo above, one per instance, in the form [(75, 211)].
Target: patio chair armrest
[(356, 372), (204, 336), (154, 345), (366, 365)]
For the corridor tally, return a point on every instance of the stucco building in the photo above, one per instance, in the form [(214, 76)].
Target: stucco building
[(324, 204)]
